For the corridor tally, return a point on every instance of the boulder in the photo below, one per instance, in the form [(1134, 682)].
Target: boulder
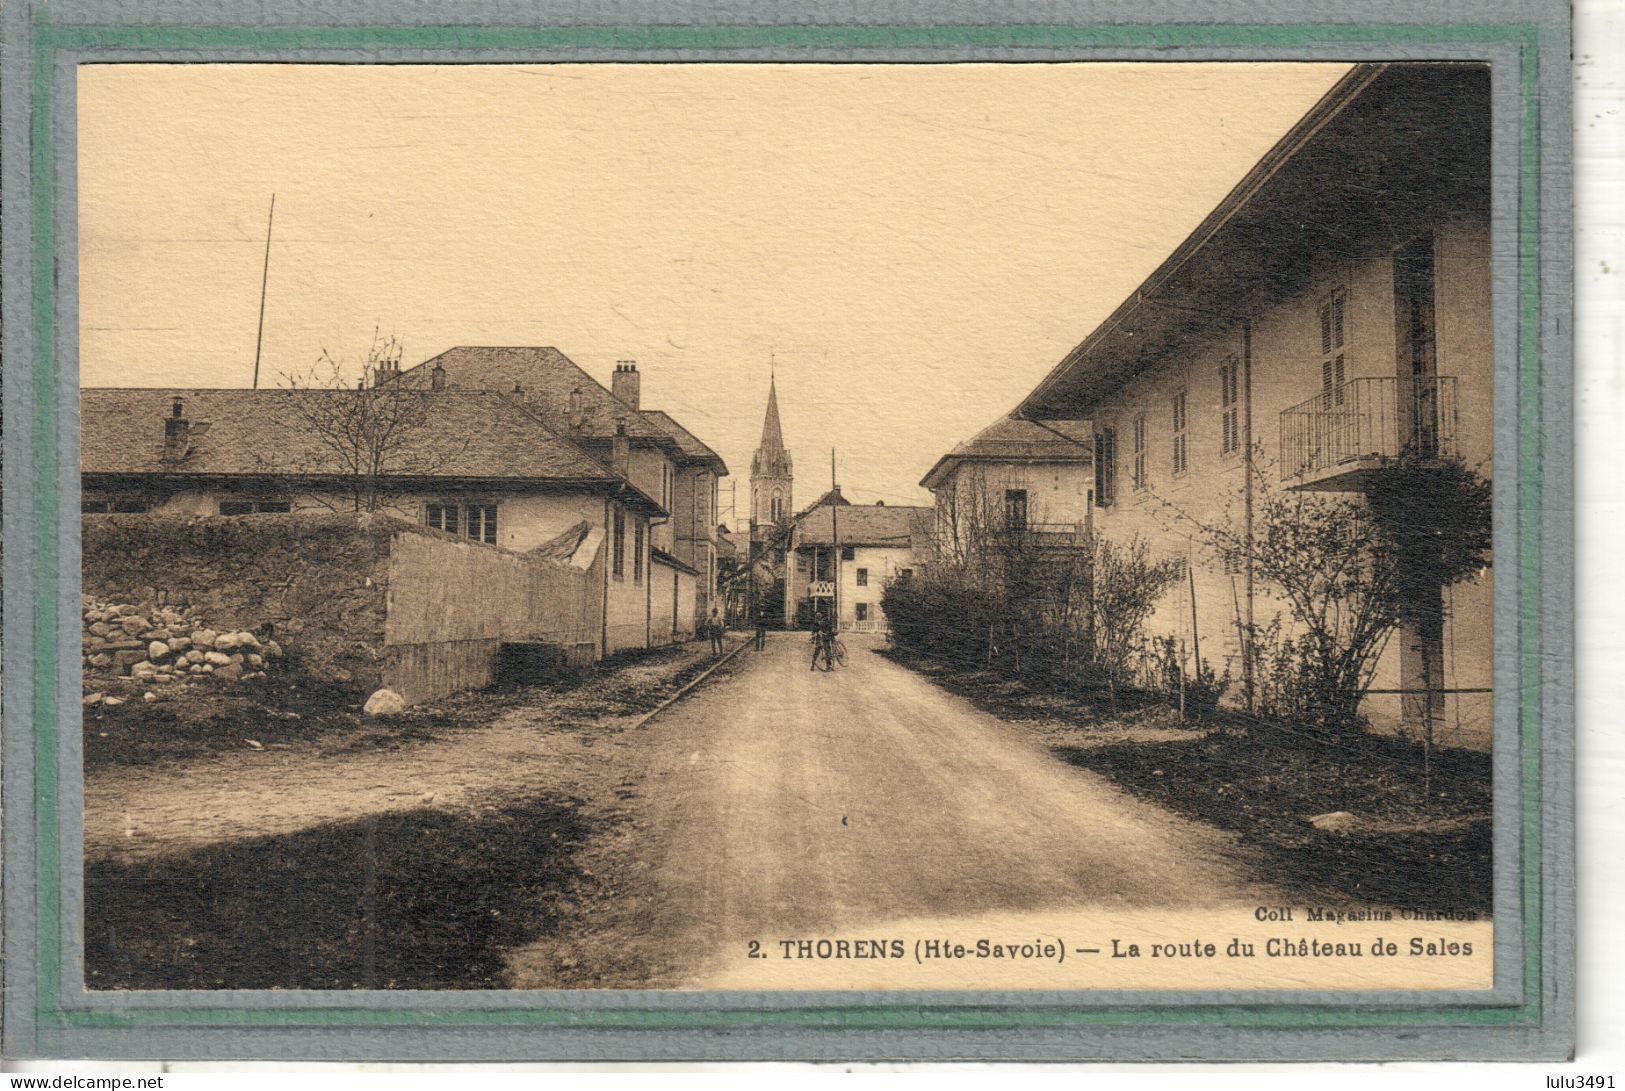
[(101, 659), (218, 659), (158, 650), (384, 702), (254, 660), (231, 672), (93, 699), (179, 643), (100, 629), (225, 642), (135, 624), (1335, 822), (194, 656), (112, 702), (273, 649), (204, 638)]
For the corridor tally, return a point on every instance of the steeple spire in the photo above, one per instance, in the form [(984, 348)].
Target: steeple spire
[(772, 434), (771, 478)]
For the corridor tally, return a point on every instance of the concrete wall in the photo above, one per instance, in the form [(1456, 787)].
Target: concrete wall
[(1285, 371), (672, 605), (626, 620), (453, 603)]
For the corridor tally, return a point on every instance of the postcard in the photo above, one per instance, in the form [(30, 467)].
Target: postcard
[(784, 543)]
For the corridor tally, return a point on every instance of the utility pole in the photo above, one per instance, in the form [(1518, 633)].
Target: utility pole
[(835, 536), (265, 277)]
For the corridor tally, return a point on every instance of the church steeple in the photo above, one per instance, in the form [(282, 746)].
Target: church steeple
[(771, 477)]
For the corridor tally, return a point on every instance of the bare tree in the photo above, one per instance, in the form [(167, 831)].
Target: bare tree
[(367, 429)]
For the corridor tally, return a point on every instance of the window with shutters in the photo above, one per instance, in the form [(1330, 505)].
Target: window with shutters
[(1105, 467), (113, 507), (1230, 406), (476, 521), (617, 549), (1139, 452), (1180, 462), (255, 507), (1333, 342), (637, 552), (1015, 509)]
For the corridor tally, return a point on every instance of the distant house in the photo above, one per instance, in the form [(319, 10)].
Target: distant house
[(1034, 477), (472, 463), (1329, 316), (667, 462), (844, 554)]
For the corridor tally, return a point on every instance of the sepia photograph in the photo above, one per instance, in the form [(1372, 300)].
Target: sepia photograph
[(787, 526)]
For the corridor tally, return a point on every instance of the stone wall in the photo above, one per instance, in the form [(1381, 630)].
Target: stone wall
[(314, 583), (361, 601)]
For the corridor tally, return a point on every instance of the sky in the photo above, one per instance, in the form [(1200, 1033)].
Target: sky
[(909, 248)]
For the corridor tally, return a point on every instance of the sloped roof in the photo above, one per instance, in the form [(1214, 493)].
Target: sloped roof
[(861, 524), (460, 434), (1384, 153), (1011, 440), (545, 378), (693, 450)]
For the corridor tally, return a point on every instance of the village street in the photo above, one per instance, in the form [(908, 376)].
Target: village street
[(773, 801), (783, 802)]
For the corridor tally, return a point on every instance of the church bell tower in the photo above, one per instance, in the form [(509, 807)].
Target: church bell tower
[(771, 498)]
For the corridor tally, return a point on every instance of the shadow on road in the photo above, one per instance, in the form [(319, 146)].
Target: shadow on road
[(423, 899)]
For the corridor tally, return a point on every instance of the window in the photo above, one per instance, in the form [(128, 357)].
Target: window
[(665, 485), (1332, 343), (617, 549), (906, 573), (863, 611), (1230, 406), (1015, 509), (1181, 464), (114, 507), (848, 553), (475, 521), (1139, 452), (254, 507), (1105, 467), (777, 510), (637, 552), (863, 577)]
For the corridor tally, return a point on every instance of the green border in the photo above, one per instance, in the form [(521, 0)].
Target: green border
[(48, 39)]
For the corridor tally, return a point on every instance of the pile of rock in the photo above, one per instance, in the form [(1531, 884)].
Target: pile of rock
[(165, 645)]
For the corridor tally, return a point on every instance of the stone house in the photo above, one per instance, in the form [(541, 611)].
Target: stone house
[(846, 553), (1026, 476), (667, 462), (1330, 315), (471, 463)]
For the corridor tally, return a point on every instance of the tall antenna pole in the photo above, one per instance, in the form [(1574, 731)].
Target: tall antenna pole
[(265, 277), (835, 535)]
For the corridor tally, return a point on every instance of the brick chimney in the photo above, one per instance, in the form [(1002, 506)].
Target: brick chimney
[(627, 383), (620, 450), (437, 377), (177, 433)]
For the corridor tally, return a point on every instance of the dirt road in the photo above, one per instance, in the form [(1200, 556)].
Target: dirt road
[(781, 801)]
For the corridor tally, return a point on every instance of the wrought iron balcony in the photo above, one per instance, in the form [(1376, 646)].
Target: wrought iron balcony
[(1047, 535), (1336, 439)]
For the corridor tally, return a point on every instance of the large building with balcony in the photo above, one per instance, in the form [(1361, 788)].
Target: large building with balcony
[(1030, 477), (1330, 317)]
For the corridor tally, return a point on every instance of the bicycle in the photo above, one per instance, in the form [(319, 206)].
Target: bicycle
[(838, 652)]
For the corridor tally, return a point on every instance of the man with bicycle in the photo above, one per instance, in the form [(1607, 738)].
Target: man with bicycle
[(823, 639)]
